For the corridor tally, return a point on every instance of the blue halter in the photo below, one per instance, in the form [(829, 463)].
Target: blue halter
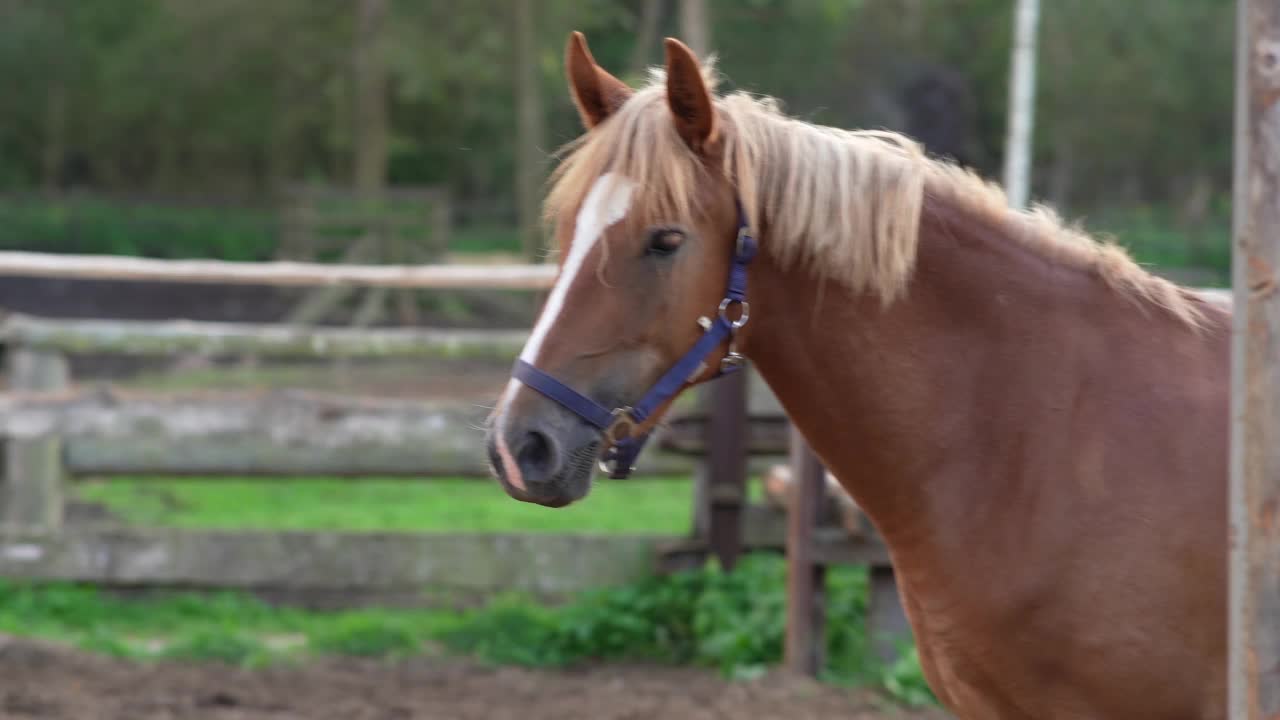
[(617, 425)]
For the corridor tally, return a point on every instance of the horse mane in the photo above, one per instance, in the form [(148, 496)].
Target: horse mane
[(846, 203)]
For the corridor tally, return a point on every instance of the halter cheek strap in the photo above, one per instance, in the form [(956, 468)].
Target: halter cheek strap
[(618, 425)]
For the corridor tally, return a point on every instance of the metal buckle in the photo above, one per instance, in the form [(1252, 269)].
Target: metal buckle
[(622, 425), (609, 463), (733, 361), (742, 318)]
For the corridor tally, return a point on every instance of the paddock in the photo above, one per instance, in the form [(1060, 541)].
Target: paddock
[(411, 406)]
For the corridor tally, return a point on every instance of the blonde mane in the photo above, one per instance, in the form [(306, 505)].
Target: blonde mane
[(845, 203)]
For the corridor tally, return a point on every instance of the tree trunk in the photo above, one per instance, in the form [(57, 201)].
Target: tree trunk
[(650, 16), (55, 135), (371, 99), (530, 130), (695, 27)]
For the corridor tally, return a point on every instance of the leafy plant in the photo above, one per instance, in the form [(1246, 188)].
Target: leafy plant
[(904, 680), (221, 645), (365, 636)]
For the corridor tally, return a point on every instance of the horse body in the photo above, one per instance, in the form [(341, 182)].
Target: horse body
[(1045, 459), (1037, 426)]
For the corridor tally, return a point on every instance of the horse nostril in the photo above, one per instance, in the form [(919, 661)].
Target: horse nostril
[(536, 455)]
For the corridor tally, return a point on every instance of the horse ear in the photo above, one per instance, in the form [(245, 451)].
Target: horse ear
[(596, 93), (691, 108)]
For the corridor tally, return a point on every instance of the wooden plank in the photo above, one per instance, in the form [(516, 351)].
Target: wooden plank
[(163, 338), (690, 434), (280, 273), (806, 577), (727, 466), (764, 529), (551, 565), (33, 472), (272, 433), (1254, 678)]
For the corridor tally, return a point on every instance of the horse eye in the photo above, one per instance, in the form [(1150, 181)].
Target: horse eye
[(664, 241)]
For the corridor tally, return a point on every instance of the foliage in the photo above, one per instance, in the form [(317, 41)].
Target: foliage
[(729, 621), (139, 96), (98, 226), (904, 679), (221, 645), (366, 635)]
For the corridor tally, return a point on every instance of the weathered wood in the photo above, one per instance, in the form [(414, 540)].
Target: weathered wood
[(140, 337), (806, 577), (727, 466), (689, 434), (764, 529), (551, 565), (887, 624), (32, 488), (1254, 680), (273, 433), (281, 273)]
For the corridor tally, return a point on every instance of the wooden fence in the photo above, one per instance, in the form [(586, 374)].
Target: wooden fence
[(53, 432)]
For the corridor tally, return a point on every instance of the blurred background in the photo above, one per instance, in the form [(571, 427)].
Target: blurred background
[(189, 129), (248, 502)]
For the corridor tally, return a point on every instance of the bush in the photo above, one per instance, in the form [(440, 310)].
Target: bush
[(365, 636), (732, 621), (100, 226), (217, 645)]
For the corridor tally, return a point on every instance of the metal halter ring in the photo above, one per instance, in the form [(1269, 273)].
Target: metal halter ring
[(742, 319), (622, 426)]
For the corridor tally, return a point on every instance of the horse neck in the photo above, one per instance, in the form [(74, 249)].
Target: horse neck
[(909, 405)]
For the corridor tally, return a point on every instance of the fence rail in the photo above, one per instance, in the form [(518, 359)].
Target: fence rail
[(282, 273), (51, 431), (145, 337)]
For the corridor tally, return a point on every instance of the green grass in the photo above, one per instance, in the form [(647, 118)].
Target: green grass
[(659, 505), (221, 627), (731, 622)]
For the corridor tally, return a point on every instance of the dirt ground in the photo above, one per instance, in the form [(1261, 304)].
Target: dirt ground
[(41, 680)]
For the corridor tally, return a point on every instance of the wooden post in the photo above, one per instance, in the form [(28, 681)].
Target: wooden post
[(806, 579), (32, 490), (887, 623), (1254, 679), (726, 469)]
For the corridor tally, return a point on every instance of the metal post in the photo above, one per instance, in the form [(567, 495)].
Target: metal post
[(1022, 91)]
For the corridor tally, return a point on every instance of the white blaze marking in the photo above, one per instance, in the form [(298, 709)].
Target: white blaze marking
[(606, 204)]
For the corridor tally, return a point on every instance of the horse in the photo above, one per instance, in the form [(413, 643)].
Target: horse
[(1035, 424)]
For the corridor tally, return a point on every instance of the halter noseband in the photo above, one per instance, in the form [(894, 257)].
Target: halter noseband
[(617, 425)]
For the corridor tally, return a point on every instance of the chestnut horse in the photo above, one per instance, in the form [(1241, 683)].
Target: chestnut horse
[(1036, 425)]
